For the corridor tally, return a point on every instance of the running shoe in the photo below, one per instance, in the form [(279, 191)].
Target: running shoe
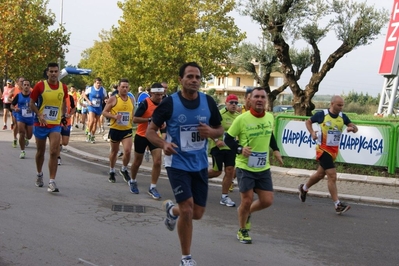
[(125, 175), (341, 208), (302, 193), (22, 155), (170, 221), (153, 192), (226, 201), (14, 143), (88, 137), (5, 127), (188, 261), (26, 142), (92, 139), (147, 156), (120, 154), (231, 188), (52, 187), (59, 160), (39, 180), (243, 236), (111, 178), (77, 126), (133, 187)]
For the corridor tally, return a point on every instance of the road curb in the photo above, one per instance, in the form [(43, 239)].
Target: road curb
[(294, 172)]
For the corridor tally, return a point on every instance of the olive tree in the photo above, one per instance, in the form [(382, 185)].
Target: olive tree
[(354, 23)]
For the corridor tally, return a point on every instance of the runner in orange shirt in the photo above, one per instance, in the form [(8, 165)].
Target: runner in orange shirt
[(142, 117)]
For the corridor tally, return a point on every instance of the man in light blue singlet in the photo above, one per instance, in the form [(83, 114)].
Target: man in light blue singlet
[(94, 96), (191, 118)]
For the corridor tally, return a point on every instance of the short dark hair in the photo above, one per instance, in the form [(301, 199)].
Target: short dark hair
[(123, 80), (259, 89), (52, 64), (98, 79), (156, 85), (183, 68), (26, 80)]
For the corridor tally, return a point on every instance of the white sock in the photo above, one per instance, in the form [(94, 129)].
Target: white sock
[(112, 170), (152, 186), (171, 213), (305, 188), (336, 203), (224, 195), (124, 168), (51, 181), (186, 256)]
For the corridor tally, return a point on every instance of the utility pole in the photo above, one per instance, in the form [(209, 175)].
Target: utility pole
[(61, 21)]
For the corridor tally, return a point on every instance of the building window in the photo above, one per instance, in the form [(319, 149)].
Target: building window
[(238, 81), (218, 81)]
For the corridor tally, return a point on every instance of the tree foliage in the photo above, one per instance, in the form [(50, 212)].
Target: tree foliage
[(100, 59), (155, 37), (249, 55), (355, 24), (27, 42), (360, 98)]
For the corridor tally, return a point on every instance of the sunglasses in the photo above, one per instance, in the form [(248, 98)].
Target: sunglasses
[(233, 102)]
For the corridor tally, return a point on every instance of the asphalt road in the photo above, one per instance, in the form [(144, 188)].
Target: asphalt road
[(78, 227)]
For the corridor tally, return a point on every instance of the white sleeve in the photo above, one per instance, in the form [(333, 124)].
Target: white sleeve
[(88, 90)]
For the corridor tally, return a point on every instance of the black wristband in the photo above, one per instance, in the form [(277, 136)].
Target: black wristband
[(239, 149)]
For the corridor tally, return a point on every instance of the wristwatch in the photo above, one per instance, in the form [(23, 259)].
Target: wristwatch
[(239, 150)]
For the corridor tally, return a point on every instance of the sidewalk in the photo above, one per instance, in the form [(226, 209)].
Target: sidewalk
[(357, 188)]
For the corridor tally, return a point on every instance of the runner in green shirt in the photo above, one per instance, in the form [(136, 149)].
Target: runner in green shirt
[(254, 130)]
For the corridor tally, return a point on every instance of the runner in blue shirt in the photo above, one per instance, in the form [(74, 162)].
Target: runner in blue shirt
[(191, 118)]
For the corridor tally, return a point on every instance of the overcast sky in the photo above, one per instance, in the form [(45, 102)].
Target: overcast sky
[(357, 71)]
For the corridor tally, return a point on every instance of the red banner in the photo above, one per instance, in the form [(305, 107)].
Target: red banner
[(390, 58)]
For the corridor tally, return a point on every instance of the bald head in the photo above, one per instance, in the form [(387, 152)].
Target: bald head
[(337, 104), (336, 98)]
